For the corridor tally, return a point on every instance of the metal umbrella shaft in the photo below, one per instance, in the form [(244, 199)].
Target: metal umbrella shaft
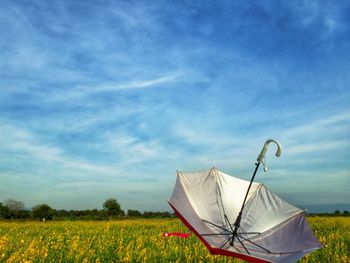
[(260, 159), (239, 217)]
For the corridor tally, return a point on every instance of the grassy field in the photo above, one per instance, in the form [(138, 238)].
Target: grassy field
[(139, 240)]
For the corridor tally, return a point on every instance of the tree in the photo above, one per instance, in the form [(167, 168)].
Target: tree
[(156, 214), (15, 207), (42, 212), (122, 213), (4, 211), (112, 207), (134, 213)]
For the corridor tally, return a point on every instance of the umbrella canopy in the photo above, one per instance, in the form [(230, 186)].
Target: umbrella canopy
[(270, 229)]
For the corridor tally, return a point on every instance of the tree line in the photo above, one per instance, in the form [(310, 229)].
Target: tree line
[(335, 213), (14, 209)]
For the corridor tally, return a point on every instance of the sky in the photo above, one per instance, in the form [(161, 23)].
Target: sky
[(103, 99)]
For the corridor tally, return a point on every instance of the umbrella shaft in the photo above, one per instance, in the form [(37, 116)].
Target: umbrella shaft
[(250, 185), (239, 217)]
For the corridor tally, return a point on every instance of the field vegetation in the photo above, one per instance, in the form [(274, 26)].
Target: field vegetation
[(139, 240)]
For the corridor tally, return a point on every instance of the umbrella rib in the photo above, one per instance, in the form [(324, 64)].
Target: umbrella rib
[(222, 204), (216, 226), (250, 233), (242, 244), (220, 234), (228, 221), (255, 244), (270, 252), (225, 242)]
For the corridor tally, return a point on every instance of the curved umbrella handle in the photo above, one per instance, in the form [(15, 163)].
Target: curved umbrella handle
[(261, 157)]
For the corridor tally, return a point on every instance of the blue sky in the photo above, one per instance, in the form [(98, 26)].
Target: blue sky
[(107, 99)]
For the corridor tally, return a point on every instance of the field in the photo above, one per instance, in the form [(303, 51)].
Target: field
[(139, 240)]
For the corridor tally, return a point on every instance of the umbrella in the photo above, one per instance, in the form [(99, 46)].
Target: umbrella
[(240, 218)]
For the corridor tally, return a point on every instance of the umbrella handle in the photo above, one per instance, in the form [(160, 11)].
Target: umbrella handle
[(261, 157)]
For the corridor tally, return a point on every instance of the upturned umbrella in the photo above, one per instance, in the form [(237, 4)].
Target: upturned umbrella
[(240, 218)]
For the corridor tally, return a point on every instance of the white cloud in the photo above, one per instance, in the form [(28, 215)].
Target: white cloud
[(124, 89), (319, 135), (131, 147), (318, 147), (21, 143), (138, 84)]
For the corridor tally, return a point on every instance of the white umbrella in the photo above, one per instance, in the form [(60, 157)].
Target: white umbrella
[(243, 219)]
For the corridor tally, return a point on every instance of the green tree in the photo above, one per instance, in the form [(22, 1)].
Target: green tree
[(134, 213), (112, 207), (337, 212), (42, 212), (15, 208), (4, 211)]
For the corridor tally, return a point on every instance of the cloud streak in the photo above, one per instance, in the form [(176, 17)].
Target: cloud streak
[(114, 97)]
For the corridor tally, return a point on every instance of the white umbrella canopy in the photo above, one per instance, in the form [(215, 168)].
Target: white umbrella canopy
[(243, 219)]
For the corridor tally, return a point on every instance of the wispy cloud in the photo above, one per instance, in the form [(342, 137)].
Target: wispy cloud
[(114, 97), (317, 147), (23, 145), (137, 84)]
